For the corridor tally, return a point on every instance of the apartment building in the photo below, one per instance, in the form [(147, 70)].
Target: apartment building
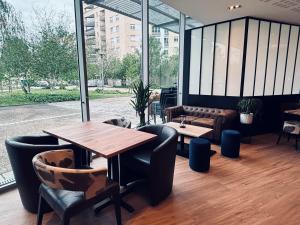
[(108, 32)]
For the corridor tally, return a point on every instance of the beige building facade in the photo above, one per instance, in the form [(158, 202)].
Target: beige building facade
[(110, 33)]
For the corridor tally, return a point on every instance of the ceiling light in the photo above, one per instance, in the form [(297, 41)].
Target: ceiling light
[(232, 7)]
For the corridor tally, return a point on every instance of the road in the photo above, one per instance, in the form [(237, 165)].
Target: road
[(32, 119)]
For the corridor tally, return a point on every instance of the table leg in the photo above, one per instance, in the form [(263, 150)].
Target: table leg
[(181, 143), (114, 174)]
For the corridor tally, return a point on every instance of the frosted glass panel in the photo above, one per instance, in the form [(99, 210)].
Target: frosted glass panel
[(195, 59), (261, 58), (207, 61), (291, 61), (235, 58), (284, 35), (250, 58), (296, 85), (221, 59), (273, 47)]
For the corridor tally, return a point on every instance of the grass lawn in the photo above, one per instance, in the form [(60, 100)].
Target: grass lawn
[(47, 96)]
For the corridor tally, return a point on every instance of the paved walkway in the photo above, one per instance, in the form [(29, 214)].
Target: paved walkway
[(32, 119)]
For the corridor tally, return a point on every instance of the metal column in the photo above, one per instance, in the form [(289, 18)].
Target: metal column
[(84, 97), (145, 46), (145, 41), (181, 58)]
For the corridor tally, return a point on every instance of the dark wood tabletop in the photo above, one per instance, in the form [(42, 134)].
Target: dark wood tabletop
[(102, 139)]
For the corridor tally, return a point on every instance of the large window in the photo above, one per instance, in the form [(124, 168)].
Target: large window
[(39, 85)]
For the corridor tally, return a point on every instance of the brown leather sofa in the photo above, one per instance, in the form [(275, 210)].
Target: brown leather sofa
[(217, 119)]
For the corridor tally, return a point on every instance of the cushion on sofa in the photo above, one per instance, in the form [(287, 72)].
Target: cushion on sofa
[(188, 119), (204, 122)]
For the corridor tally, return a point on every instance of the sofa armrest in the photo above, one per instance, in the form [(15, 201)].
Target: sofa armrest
[(173, 112)]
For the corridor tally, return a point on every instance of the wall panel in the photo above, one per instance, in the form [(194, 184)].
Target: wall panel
[(207, 60), (251, 58), (195, 59), (287, 89), (235, 58), (269, 65), (281, 59), (296, 83), (272, 58), (222, 36), (262, 52)]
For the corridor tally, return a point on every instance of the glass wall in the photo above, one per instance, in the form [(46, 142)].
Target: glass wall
[(39, 86), (113, 53)]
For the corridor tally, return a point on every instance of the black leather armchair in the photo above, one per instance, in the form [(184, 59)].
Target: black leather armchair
[(153, 162), (21, 150)]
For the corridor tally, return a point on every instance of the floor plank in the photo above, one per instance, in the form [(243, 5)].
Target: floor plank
[(262, 187)]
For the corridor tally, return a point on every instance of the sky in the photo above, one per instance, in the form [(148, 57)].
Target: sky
[(26, 8)]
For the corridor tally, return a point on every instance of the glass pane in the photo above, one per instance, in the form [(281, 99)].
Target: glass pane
[(284, 35), (296, 83), (40, 89), (221, 59), (261, 58), (113, 60), (235, 58), (195, 59), (250, 58), (207, 61), (273, 47), (291, 60)]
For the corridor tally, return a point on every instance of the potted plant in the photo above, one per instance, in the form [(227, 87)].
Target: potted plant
[(248, 108), (140, 101)]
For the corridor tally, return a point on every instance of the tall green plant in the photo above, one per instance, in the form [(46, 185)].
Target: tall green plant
[(141, 100)]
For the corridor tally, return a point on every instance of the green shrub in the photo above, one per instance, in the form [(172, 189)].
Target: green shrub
[(53, 97)]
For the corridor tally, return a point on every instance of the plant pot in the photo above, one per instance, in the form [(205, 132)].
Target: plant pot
[(246, 118)]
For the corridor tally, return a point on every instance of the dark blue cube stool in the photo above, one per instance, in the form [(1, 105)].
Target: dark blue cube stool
[(230, 143), (199, 154)]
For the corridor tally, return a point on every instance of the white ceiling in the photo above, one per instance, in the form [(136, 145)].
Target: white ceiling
[(211, 11)]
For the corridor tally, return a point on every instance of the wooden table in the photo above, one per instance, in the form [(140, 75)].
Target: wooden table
[(104, 140), (188, 131)]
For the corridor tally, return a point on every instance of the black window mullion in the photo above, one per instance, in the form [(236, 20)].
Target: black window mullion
[(286, 60), (278, 47), (296, 57), (213, 66), (228, 51), (201, 56)]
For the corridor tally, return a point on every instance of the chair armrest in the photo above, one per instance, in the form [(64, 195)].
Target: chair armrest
[(174, 112)]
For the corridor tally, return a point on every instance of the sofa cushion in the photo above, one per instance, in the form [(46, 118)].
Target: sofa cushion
[(204, 122), (188, 119)]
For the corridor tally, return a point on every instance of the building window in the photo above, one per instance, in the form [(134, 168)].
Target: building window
[(166, 42), (117, 17), (166, 32), (155, 29), (132, 26), (111, 29), (117, 39), (166, 52), (111, 19), (117, 28), (176, 39)]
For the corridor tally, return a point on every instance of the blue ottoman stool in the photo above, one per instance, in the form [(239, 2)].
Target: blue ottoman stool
[(199, 154), (230, 143)]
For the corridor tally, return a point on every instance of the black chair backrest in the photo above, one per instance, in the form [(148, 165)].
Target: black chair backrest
[(163, 132), (20, 151)]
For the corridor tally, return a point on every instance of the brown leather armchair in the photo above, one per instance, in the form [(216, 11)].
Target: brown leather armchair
[(216, 119)]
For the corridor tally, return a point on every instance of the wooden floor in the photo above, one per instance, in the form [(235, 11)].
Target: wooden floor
[(260, 188)]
